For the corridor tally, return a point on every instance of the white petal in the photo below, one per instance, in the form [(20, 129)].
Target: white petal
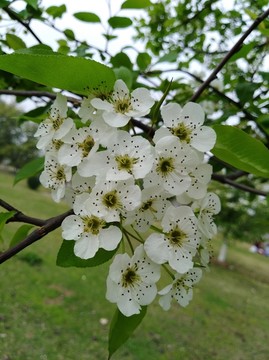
[(115, 119), (180, 264), (112, 290), (192, 114), (127, 305), (165, 301), (120, 89), (94, 165), (120, 263), (157, 248), (101, 104), (60, 104), (170, 114), (72, 227), (66, 126), (109, 238), (203, 139), (86, 247), (145, 293), (141, 100)]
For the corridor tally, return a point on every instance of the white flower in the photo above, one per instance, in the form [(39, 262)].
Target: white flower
[(205, 251), (200, 177), (178, 242), (111, 200), (88, 112), (205, 209), (55, 176), (78, 186), (131, 281), (90, 233), (154, 204), (129, 157), (78, 144), (173, 164), (122, 105), (186, 125), (57, 125), (180, 289)]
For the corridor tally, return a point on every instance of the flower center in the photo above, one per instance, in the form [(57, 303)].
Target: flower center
[(125, 162), (129, 277), (165, 166), (147, 205), (176, 236), (111, 200), (182, 132), (57, 144), (86, 145), (57, 121), (60, 175), (93, 224), (122, 105)]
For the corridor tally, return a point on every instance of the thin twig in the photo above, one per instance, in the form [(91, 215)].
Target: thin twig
[(227, 57), (29, 93), (12, 14), (226, 180), (50, 225)]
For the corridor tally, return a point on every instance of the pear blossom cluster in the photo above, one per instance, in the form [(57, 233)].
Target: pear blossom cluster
[(145, 199)]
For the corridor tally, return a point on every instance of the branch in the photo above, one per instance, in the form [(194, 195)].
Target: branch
[(20, 217), (12, 14), (29, 93), (49, 225), (226, 58), (227, 180)]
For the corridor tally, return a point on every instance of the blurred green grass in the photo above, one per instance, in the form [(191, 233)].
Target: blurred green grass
[(52, 313)]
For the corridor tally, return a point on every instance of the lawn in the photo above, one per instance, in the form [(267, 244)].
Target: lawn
[(52, 313)]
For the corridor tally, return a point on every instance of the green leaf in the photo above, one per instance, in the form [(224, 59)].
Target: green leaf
[(242, 151), (170, 57), (121, 59), (143, 60), (30, 169), (135, 4), (60, 71), (4, 3), (87, 17), (243, 52), (4, 216), (119, 22), (122, 328), (14, 42), (265, 75), (69, 34), (67, 258), (20, 234), (33, 3), (56, 11), (245, 90), (124, 74)]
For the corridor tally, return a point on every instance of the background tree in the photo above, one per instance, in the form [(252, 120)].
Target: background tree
[(17, 143)]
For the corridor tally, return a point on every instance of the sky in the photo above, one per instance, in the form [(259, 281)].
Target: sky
[(92, 32)]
